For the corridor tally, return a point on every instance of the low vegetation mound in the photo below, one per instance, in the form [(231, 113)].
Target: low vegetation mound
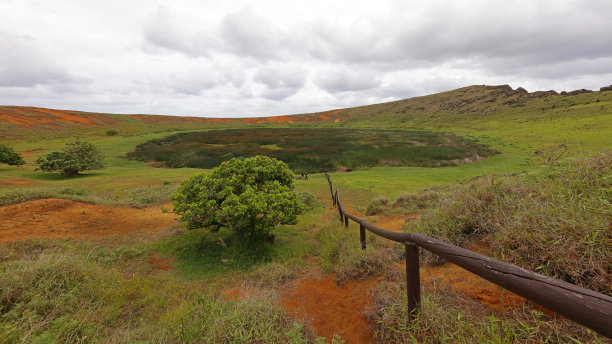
[(555, 220), (313, 149)]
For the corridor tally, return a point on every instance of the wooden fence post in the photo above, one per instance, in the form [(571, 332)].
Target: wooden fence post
[(340, 215), (362, 236), (346, 221), (333, 197), (413, 281)]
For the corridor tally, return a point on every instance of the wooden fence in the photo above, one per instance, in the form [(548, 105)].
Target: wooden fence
[(586, 307)]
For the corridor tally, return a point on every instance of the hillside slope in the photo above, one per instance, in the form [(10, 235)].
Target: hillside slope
[(455, 108)]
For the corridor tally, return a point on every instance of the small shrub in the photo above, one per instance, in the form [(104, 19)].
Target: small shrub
[(273, 274), (9, 156), (111, 132), (341, 253), (377, 205), (412, 202), (308, 199)]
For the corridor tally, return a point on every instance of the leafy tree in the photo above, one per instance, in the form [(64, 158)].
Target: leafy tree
[(249, 196), (75, 157), (9, 156)]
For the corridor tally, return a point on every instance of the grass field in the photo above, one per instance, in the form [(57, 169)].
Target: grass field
[(110, 291)]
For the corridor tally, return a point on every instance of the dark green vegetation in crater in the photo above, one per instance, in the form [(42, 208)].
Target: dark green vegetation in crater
[(313, 149)]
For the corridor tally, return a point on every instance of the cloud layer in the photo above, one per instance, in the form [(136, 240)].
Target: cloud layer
[(242, 58)]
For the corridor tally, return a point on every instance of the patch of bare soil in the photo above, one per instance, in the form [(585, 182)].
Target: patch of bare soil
[(331, 308), (395, 222), (160, 263), (59, 218), (17, 182)]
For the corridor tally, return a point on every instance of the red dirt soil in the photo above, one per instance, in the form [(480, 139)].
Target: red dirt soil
[(59, 218), (31, 116), (330, 308), (17, 182), (160, 262)]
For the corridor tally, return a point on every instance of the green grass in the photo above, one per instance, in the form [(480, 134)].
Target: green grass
[(70, 293), (564, 205), (447, 317)]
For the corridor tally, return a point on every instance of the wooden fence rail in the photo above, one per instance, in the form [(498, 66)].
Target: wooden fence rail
[(586, 307)]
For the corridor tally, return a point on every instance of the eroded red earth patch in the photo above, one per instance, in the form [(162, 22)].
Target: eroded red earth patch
[(60, 218), (17, 182), (331, 308)]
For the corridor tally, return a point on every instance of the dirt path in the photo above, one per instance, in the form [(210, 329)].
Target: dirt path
[(330, 308), (60, 218)]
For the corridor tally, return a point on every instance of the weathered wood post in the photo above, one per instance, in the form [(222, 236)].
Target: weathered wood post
[(346, 221), (413, 280), (362, 236), (333, 196), (340, 215)]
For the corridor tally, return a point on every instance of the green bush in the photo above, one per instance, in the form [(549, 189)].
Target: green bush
[(308, 199), (413, 202), (377, 205), (111, 132), (9, 156), (75, 157), (249, 196)]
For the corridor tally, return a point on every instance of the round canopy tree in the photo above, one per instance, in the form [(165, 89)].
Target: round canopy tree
[(9, 156), (249, 196), (75, 157)]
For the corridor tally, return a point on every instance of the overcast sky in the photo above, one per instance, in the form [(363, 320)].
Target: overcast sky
[(225, 58)]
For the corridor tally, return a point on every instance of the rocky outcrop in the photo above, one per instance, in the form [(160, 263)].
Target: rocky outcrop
[(542, 94), (606, 88), (575, 92)]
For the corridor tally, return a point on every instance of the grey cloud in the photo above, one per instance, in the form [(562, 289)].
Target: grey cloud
[(23, 64), (336, 80), (163, 31), (247, 34), (556, 70), (280, 81), (535, 34), (195, 82)]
